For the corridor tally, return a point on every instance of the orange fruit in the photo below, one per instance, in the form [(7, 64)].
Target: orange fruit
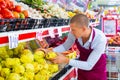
[(16, 14), (25, 12)]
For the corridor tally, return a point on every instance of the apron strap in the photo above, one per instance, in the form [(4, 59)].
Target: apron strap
[(93, 36)]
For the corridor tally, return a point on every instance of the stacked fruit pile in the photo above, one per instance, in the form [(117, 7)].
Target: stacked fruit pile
[(9, 10), (23, 64)]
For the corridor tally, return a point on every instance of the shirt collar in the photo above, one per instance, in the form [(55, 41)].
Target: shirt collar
[(91, 35)]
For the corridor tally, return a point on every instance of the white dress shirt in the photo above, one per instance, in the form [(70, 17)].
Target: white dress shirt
[(98, 45)]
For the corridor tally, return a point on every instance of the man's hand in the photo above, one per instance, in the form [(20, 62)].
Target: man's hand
[(45, 50), (60, 59), (67, 52)]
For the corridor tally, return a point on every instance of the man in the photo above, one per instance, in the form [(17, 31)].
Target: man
[(91, 43)]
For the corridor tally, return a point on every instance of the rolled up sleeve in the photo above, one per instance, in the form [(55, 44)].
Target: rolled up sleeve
[(66, 45)]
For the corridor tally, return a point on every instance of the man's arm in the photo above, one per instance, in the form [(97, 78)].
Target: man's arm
[(92, 59), (66, 45)]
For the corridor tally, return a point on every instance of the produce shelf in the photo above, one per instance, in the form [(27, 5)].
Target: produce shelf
[(26, 35)]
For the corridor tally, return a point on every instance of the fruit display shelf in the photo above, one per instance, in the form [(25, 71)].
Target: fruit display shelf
[(26, 35), (7, 25)]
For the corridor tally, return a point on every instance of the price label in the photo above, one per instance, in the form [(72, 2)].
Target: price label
[(51, 33), (13, 40), (39, 35), (60, 31)]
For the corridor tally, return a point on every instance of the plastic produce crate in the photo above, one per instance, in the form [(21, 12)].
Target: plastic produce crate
[(55, 22), (36, 23), (66, 21), (20, 24), (29, 23), (50, 22)]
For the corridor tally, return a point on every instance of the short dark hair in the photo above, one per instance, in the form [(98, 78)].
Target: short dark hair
[(80, 19)]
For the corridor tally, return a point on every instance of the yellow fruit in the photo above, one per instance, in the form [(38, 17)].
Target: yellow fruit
[(38, 55), (27, 56), (71, 55), (13, 76), (71, 14), (5, 72), (0, 67), (0, 59), (39, 77), (46, 66), (3, 63), (29, 75), (18, 69), (41, 61), (26, 51), (2, 78), (24, 78), (3, 53), (10, 62), (29, 67), (53, 68), (45, 72), (10, 53), (51, 55), (37, 66), (19, 49)]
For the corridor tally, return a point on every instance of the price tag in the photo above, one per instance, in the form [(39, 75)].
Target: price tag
[(39, 35), (60, 31), (51, 33), (13, 40)]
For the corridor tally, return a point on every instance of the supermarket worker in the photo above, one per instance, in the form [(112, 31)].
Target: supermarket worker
[(91, 43)]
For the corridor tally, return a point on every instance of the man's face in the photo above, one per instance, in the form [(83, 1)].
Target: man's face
[(76, 30)]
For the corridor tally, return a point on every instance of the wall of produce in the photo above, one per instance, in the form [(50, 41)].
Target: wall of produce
[(34, 14)]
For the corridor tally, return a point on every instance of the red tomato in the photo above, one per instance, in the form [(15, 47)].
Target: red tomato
[(7, 13), (2, 4), (0, 10), (1, 16), (10, 5), (18, 8)]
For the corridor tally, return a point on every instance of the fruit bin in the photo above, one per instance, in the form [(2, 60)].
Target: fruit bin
[(19, 24), (55, 22), (65, 72)]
